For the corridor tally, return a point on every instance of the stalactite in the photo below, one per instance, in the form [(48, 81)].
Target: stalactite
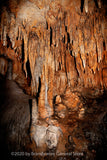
[(46, 81), (19, 33), (103, 30), (62, 58), (63, 29), (57, 35), (99, 3), (60, 29), (64, 49), (71, 40), (82, 51), (38, 70), (4, 26), (84, 61), (86, 6), (25, 52), (4, 36), (102, 27), (100, 49), (47, 106)]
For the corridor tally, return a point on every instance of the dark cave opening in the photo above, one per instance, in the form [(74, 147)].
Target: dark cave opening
[(96, 3), (6, 70), (9, 44), (39, 89), (22, 54), (29, 75), (50, 36), (9, 70), (104, 46), (82, 5), (68, 38)]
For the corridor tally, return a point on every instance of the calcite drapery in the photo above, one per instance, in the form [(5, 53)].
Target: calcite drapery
[(64, 46)]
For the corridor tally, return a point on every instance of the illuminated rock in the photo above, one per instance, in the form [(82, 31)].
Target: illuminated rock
[(58, 51)]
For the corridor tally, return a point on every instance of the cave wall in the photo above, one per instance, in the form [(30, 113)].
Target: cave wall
[(3, 66), (55, 45)]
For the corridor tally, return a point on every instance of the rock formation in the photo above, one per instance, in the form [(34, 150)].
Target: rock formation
[(58, 50)]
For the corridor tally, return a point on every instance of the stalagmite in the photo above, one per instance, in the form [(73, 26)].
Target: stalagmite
[(34, 111), (52, 136)]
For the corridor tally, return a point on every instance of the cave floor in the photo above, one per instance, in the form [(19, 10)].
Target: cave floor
[(84, 138)]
